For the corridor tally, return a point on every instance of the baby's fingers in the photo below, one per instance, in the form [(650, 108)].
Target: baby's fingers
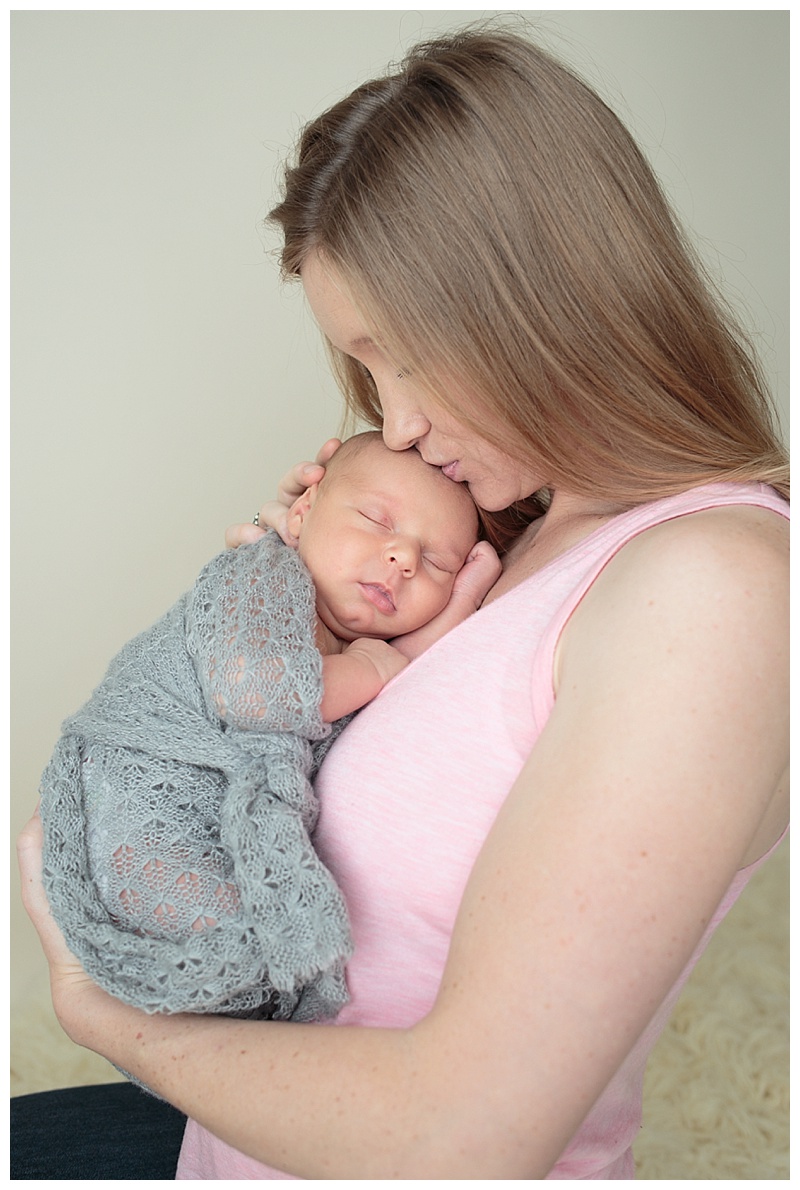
[(478, 575)]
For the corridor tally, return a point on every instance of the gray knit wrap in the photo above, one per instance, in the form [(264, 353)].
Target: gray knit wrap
[(178, 807)]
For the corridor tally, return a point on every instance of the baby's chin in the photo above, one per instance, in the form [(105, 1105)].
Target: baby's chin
[(344, 627)]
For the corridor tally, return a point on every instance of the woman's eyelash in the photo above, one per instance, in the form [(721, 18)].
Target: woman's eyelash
[(402, 374)]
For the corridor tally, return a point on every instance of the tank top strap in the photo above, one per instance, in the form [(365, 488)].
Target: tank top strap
[(581, 565)]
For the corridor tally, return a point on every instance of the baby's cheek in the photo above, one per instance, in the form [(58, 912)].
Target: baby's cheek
[(444, 597)]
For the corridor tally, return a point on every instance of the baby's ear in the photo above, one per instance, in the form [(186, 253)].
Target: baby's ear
[(300, 510)]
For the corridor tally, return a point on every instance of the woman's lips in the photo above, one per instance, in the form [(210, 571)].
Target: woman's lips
[(449, 469), (379, 596)]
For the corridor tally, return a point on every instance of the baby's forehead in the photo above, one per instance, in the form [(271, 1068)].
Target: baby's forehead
[(407, 477), (402, 479)]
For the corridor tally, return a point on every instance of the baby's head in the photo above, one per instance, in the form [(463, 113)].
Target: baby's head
[(383, 535)]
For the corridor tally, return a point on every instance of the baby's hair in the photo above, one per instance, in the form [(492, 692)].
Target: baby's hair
[(353, 446)]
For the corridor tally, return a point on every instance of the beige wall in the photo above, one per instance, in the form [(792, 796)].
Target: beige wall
[(162, 380)]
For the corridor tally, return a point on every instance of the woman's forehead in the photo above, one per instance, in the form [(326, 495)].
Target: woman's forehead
[(332, 307)]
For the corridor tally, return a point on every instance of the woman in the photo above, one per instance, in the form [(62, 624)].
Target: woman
[(538, 824)]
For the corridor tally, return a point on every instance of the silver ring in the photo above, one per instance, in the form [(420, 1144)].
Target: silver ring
[(257, 519)]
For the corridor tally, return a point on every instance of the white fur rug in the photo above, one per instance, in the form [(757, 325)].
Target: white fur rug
[(717, 1089)]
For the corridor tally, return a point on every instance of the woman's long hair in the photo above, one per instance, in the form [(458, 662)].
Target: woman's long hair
[(507, 242)]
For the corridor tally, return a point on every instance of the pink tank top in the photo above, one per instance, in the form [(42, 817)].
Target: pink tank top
[(410, 791)]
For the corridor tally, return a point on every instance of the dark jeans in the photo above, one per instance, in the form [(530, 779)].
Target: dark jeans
[(114, 1131)]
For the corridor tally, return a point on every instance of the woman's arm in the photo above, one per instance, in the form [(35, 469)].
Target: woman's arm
[(658, 767)]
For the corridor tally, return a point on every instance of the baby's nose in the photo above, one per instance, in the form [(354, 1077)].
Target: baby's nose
[(404, 555)]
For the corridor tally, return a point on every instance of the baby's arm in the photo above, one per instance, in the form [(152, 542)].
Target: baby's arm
[(352, 678)]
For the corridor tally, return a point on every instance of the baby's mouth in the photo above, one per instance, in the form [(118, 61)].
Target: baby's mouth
[(379, 596)]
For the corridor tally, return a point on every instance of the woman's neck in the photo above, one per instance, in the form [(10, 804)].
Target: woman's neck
[(567, 521)]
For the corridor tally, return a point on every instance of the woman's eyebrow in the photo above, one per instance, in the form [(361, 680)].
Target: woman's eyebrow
[(362, 341)]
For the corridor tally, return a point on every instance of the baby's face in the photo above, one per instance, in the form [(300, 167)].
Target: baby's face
[(384, 538)]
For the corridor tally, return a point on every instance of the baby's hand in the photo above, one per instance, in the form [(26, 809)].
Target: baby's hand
[(387, 660), (272, 515), (473, 582), (476, 578)]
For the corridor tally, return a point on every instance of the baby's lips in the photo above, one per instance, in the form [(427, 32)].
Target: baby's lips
[(380, 597)]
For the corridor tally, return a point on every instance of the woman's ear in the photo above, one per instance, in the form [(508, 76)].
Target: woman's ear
[(300, 510)]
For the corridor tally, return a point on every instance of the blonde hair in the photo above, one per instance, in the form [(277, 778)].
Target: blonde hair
[(508, 244)]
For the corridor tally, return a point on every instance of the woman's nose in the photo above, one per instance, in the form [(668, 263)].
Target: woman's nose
[(404, 425)]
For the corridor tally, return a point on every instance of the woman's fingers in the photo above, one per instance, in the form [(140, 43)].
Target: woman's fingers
[(29, 857), (242, 535), (34, 898), (328, 450), (75, 996), (273, 513), (303, 475)]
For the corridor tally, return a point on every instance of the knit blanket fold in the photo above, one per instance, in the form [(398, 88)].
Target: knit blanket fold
[(178, 808)]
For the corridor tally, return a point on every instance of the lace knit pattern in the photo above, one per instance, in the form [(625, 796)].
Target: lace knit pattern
[(178, 809)]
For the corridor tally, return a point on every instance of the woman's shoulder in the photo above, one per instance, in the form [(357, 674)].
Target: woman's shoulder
[(727, 542), (714, 572), (685, 632)]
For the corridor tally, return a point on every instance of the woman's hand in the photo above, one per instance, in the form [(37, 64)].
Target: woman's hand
[(473, 582), (72, 990), (273, 514)]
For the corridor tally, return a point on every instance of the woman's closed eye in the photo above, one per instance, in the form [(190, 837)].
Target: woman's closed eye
[(401, 374)]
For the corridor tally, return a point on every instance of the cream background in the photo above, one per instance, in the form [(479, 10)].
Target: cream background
[(162, 380)]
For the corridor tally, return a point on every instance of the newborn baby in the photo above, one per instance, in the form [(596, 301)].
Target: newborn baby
[(178, 807)]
